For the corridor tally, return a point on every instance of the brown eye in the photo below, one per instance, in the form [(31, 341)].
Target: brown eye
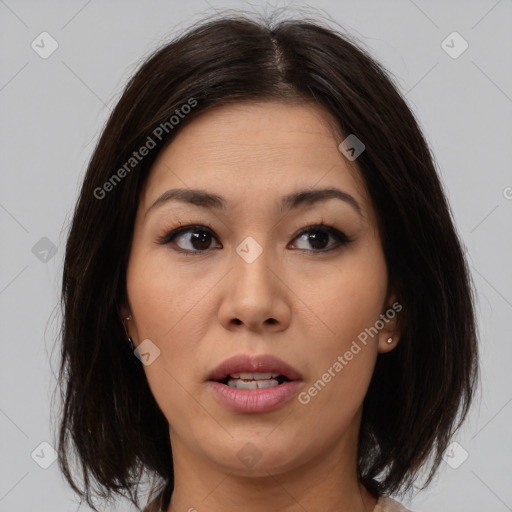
[(198, 239), (317, 237), (190, 238)]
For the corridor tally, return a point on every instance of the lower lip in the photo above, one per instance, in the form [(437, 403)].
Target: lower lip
[(255, 400)]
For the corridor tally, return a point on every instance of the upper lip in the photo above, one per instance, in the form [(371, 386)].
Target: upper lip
[(245, 363)]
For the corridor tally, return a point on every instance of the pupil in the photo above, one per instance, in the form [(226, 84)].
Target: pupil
[(201, 237), (318, 236)]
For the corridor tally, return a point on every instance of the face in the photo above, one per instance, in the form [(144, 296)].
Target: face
[(296, 288)]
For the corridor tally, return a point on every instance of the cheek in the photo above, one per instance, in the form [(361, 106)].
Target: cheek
[(164, 304), (350, 295), (348, 305), (167, 308), (165, 300)]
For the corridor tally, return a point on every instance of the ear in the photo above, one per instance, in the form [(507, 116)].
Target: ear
[(126, 317), (123, 308), (125, 313), (389, 335)]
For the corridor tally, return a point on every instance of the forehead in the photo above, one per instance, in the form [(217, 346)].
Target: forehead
[(256, 152)]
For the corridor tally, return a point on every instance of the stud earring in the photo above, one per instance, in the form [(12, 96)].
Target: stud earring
[(128, 337), (389, 340)]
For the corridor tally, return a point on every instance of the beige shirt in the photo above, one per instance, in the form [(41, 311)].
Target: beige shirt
[(389, 505), (384, 504)]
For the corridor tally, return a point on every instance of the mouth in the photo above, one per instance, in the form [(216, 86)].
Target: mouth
[(246, 371), (254, 380), (254, 384)]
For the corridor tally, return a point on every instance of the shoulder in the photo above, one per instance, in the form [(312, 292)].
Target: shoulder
[(386, 504)]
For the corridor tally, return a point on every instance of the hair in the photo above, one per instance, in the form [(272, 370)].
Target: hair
[(420, 392)]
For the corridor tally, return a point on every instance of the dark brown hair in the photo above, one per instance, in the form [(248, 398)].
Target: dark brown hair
[(420, 392)]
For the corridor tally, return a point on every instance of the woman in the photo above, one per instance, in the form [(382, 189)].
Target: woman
[(262, 225)]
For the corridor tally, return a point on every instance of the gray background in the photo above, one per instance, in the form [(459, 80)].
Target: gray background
[(53, 110)]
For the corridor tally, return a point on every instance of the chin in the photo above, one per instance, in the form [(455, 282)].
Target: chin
[(255, 457)]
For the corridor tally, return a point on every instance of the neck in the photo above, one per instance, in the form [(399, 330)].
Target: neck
[(327, 481)]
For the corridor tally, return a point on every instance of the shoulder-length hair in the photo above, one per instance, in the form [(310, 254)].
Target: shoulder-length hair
[(420, 392)]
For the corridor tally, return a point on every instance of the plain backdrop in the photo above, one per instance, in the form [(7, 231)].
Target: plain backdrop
[(53, 109)]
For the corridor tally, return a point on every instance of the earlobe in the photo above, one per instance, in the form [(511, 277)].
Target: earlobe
[(387, 343), (123, 306), (125, 318), (389, 335), (129, 339)]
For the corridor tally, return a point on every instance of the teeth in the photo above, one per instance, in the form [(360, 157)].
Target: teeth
[(253, 380), (252, 384), (254, 376)]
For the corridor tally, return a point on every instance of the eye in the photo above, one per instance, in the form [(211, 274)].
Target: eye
[(197, 239), (200, 240), (318, 237)]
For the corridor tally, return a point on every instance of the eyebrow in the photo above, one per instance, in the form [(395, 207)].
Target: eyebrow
[(289, 202)]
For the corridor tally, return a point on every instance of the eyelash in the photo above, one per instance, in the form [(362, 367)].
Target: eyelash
[(341, 238)]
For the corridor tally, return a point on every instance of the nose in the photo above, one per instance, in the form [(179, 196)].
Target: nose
[(255, 295)]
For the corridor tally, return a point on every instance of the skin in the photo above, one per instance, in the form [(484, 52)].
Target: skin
[(188, 306)]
